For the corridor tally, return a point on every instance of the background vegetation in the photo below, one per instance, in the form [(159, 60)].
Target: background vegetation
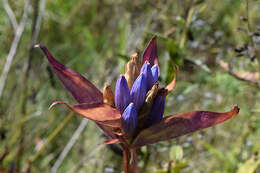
[(215, 43)]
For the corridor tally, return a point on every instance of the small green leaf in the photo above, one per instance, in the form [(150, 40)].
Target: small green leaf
[(176, 153)]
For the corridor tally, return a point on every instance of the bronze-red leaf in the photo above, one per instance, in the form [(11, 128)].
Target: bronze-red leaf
[(81, 89), (181, 124), (99, 112), (150, 53)]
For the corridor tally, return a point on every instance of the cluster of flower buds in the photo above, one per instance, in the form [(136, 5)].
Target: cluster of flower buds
[(143, 83), (136, 96)]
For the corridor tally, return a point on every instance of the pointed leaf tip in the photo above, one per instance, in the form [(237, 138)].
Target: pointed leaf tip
[(235, 110), (80, 88), (37, 46), (150, 52), (55, 103)]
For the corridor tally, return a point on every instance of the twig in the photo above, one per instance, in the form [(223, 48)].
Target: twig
[(251, 78), (12, 51), (10, 14), (69, 145)]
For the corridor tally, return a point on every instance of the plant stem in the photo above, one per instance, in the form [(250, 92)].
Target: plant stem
[(126, 159), (134, 167), (130, 160)]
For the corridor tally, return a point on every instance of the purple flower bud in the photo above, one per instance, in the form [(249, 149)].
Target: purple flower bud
[(155, 73), (146, 69), (130, 118), (138, 91), (157, 111), (122, 94)]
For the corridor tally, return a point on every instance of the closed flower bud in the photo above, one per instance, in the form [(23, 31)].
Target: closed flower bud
[(108, 95), (135, 59), (155, 73), (122, 94), (130, 118), (157, 111), (129, 74), (146, 69), (132, 70), (138, 92)]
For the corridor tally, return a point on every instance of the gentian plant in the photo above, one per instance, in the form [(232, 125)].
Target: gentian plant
[(133, 115)]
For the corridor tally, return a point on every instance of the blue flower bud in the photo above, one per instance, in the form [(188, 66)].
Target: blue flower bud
[(146, 69), (155, 73), (130, 118), (157, 111), (122, 94), (138, 91)]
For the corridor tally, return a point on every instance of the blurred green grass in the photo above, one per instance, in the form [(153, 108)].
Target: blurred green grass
[(94, 38)]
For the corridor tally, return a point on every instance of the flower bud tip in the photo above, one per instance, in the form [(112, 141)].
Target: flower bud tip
[(130, 118)]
